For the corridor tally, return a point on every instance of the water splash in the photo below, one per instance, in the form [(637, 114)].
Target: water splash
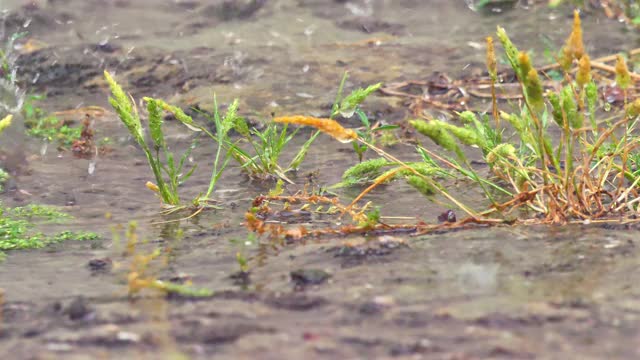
[(478, 278), (364, 10), (92, 167), (11, 96)]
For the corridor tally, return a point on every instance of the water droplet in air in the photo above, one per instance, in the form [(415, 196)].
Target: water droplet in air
[(347, 113), (309, 30)]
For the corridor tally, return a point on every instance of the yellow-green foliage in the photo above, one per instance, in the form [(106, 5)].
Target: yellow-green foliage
[(364, 172), (445, 135), (382, 171), (492, 63), (167, 189), (570, 108), (155, 123), (398, 171), (420, 184), (591, 92), (534, 90), (510, 50), (240, 124), (467, 117), (516, 121), (633, 109), (176, 111), (574, 47), (125, 108), (466, 135), (583, 76), (531, 82), (500, 152), (349, 104), (524, 64), (556, 108), (564, 107), (420, 167), (436, 132), (623, 77), (5, 122)]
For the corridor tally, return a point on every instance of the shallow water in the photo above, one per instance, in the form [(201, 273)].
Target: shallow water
[(525, 292)]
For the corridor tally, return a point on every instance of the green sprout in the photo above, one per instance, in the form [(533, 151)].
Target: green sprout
[(161, 160)]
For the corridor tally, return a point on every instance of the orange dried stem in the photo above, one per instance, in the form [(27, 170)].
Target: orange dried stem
[(375, 184), (327, 126)]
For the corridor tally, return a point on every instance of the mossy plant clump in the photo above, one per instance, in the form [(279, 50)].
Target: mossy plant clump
[(48, 127), (589, 173), (168, 172), (19, 228), (261, 160)]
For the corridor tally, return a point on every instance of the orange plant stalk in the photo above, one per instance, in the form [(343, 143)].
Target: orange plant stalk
[(327, 126)]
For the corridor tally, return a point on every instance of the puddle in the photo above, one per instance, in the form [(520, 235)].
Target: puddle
[(527, 292)]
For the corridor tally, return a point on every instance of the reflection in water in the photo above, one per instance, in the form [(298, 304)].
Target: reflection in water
[(478, 278), (155, 310)]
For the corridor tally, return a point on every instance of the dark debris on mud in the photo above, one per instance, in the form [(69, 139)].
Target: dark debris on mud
[(371, 251)]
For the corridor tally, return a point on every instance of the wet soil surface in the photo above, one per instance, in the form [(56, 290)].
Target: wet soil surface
[(499, 293)]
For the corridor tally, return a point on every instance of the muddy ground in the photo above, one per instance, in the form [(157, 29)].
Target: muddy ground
[(496, 293)]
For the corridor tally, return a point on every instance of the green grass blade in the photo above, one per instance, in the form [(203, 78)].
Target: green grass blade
[(155, 123), (302, 153)]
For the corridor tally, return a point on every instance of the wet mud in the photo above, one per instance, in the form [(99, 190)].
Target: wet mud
[(484, 293)]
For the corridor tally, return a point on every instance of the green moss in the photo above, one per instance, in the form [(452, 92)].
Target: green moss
[(53, 130), (18, 231), (41, 125), (37, 211)]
